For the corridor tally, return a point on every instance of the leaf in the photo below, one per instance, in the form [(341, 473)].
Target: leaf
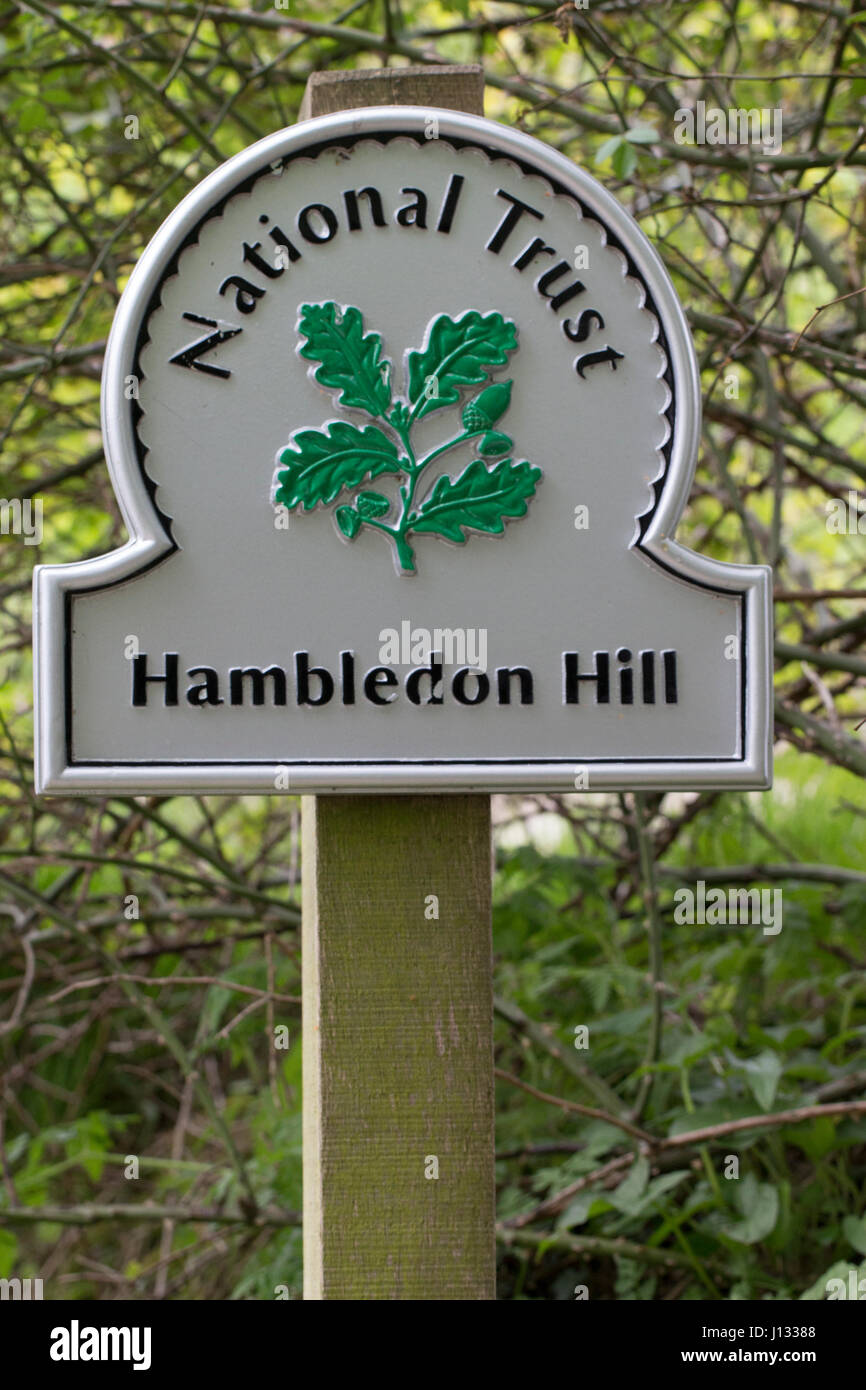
[(582, 1209), (372, 504), (763, 1074), (642, 135), (89, 1143), (759, 1204), (459, 352), (716, 1114), (478, 499), (320, 463), (32, 115), (665, 1182), (606, 149), (689, 1049), (624, 160), (816, 1140), (348, 521), (627, 1196), (854, 1228), (493, 444), (638, 1193), (8, 1252), (351, 360)]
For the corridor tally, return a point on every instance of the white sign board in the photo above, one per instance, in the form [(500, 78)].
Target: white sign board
[(401, 411)]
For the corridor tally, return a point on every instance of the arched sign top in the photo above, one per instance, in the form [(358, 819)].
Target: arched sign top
[(401, 410)]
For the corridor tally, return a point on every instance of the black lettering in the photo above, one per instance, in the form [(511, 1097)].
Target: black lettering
[(669, 665), (591, 359), (347, 677), (536, 247), (572, 678), (579, 332), (188, 356), (247, 293), (449, 203), (256, 676), (555, 273), (379, 676), (415, 214), (328, 217), (414, 678), (251, 254), (503, 684), (303, 672), (353, 215), (510, 220), (207, 692), (458, 686), (648, 677), (626, 678), (141, 680), (278, 236)]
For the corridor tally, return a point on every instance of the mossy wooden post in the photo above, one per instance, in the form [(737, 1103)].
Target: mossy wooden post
[(397, 982)]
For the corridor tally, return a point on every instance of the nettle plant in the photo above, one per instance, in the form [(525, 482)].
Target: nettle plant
[(321, 464)]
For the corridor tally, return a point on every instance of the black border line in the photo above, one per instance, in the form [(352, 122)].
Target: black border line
[(396, 762)]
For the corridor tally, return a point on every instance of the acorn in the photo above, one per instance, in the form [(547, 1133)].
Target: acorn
[(348, 521), (371, 504), (483, 412), (494, 444)]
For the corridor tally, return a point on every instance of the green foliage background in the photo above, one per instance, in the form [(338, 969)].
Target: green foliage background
[(152, 1035)]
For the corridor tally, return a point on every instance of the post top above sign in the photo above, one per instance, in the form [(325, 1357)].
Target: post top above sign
[(449, 86), (401, 410)]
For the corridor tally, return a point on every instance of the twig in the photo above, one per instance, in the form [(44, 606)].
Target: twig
[(88, 1214), (572, 1105)]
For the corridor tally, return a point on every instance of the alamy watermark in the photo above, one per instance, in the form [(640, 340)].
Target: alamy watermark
[(715, 907), (20, 1289), (77, 1343), (455, 646), (22, 518), (846, 518), (711, 125)]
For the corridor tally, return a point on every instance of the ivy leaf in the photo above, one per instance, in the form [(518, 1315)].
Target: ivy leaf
[(350, 360), (320, 463), (372, 504), (478, 499), (459, 352)]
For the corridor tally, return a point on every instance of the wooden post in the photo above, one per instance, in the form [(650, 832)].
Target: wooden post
[(397, 982)]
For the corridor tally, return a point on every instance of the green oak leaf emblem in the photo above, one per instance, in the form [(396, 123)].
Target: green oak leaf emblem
[(321, 464)]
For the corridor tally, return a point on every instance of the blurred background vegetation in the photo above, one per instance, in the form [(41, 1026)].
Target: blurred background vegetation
[(149, 946)]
